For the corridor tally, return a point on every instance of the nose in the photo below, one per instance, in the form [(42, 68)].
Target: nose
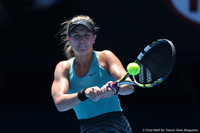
[(81, 39)]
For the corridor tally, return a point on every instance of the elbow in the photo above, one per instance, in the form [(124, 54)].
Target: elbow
[(127, 91), (58, 107), (61, 107), (63, 103), (130, 90)]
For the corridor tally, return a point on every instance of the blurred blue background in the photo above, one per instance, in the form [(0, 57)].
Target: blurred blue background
[(30, 51)]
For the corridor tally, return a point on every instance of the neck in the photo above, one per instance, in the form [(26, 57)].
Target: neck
[(83, 60)]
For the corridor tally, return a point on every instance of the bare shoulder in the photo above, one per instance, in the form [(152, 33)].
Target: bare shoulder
[(62, 69), (107, 59), (63, 65), (105, 54), (111, 64)]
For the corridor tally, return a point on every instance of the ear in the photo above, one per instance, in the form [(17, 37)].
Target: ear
[(68, 40), (94, 39)]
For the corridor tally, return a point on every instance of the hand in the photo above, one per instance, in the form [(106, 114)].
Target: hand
[(93, 93), (106, 91)]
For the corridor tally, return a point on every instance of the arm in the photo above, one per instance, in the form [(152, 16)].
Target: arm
[(116, 69), (60, 86)]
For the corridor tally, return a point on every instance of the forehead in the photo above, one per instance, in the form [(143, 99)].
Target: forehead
[(80, 28)]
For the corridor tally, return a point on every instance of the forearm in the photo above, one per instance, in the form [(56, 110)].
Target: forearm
[(66, 102), (126, 90)]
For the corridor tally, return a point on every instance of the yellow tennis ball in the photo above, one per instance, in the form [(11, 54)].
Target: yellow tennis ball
[(133, 68)]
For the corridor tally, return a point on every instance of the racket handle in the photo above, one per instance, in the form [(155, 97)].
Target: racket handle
[(113, 85)]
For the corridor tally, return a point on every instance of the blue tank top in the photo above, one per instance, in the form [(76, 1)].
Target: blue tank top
[(96, 76)]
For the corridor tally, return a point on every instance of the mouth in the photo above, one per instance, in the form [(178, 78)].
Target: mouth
[(82, 46)]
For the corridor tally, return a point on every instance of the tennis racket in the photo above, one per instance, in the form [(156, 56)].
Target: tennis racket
[(156, 62)]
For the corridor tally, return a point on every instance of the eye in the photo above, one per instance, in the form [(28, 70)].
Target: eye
[(76, 36), (87, 35)]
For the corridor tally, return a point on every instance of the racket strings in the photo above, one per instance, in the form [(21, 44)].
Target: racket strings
[(155, 63)]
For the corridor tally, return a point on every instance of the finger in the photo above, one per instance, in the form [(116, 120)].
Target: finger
[(95, 94), (91, 95), (108, 93), (99, 94)]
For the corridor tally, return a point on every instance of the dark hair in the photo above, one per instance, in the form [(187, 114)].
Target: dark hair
[(64, 32)]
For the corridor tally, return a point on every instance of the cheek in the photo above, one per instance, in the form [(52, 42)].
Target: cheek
[(92, 41), (72, 41)]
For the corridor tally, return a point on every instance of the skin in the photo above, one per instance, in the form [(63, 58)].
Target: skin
[(82, 41)]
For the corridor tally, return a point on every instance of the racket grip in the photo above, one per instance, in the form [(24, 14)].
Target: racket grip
[(113, 85)]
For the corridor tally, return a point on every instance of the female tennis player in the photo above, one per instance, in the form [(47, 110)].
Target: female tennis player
[(82, 81)]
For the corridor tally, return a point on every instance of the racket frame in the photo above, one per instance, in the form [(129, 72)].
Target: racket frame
[(146, 49), (122, 80)]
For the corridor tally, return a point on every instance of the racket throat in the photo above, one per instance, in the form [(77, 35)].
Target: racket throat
[(113, 85)]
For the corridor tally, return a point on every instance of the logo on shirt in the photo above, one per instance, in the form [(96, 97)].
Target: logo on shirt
[(92, 74)]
